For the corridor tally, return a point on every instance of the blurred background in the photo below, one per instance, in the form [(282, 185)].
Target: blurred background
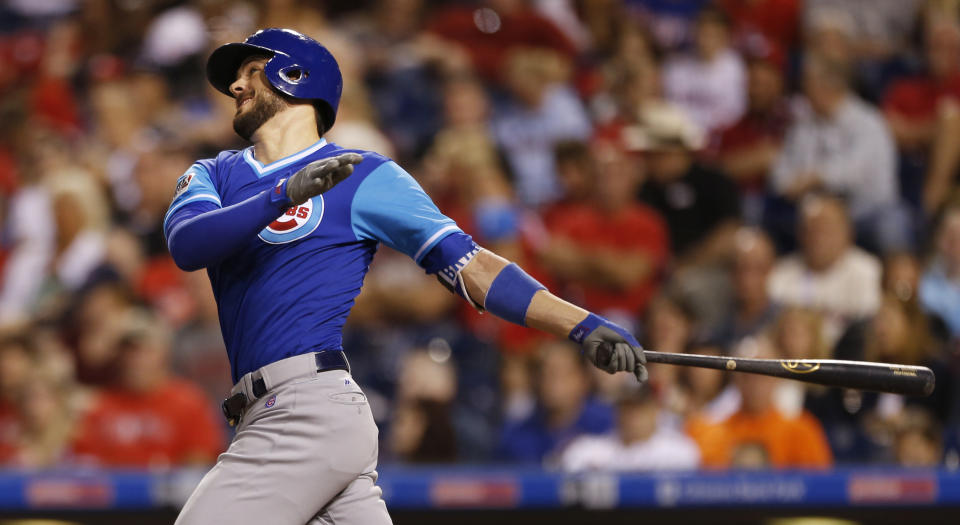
[(768, 178)]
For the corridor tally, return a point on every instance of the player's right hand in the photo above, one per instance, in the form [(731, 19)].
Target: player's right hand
[(320, 176), (612, 349)]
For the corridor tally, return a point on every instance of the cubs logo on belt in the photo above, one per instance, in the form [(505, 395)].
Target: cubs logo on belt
[(296, 223)]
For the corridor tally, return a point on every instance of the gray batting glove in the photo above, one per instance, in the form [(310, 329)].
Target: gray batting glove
[(609, 347), (320, 176)]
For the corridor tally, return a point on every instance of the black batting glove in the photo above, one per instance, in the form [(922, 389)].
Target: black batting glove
[(319, 177), (609, 347)]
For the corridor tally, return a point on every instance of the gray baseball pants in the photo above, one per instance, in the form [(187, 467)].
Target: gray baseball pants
[(304, 454)]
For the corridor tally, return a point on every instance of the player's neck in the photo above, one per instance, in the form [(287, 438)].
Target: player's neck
[(289, 131)]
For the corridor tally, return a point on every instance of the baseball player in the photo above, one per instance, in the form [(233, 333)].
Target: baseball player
[(286, 229)]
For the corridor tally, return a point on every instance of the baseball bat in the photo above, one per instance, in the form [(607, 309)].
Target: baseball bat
[(862, 375)]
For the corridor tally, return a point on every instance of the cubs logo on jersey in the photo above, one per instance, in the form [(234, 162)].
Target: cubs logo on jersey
[(296, 223)]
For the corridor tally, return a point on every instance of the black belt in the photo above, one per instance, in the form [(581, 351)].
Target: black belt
[(326, 360)]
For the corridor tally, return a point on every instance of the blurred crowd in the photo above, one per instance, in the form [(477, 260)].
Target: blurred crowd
[(762, 178)]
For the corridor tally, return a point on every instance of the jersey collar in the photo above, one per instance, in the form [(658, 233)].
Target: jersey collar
[(262, 170)]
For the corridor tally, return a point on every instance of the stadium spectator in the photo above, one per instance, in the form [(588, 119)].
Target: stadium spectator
[(565, 409), (747, 150), (869, 34), (705, 394), (861, 425), (155, 171), (700, 205), (356, 126), (463, 171), (46, 423), (148, 418), (830, 33), (197, 348), (431, 390), (751, 309), (798, 333), (918, 441), (491, 32), (758, 435), (901, 333), (829, 273), (80, 215), (627, 81), (938, 292), (710, 84), (924, 115), (517, 388), (642, 441), (671, 326), (901, 275), (400, 62), (95, 323), (880, 28), (604, 247), (541, 112), (31, 232), (776, 22), (901, 279), (16, 361), (421, 432), (840, 144), (672, 23)]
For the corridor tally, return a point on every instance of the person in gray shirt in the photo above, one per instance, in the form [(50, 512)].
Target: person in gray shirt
[(840, 144)]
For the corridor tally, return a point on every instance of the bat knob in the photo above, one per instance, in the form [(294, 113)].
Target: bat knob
[(929, 382)]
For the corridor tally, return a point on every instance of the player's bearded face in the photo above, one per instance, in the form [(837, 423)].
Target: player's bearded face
[(261, 108)]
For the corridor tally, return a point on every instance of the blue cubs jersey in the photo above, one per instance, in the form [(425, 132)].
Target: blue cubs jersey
[(289, 289)]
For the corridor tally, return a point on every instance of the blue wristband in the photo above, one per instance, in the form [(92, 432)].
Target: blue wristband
[(278, 195), (591, 323), (510, 294)]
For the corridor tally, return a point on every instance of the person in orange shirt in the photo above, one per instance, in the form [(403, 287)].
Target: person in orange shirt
[(757, 435), (149, 418)]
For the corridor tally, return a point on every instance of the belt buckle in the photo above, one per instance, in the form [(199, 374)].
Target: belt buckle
[(233, 408)]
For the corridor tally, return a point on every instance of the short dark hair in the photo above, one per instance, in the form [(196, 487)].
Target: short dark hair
[(571, 151), (324, 116), (713, 15)]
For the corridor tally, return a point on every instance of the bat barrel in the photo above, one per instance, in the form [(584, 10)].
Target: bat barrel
[(879, 377)]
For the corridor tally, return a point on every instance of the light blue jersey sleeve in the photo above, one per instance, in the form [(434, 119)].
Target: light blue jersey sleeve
[(390, 207), (195, 185)]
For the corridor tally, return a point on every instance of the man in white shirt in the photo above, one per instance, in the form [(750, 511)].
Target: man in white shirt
[(643, 440), (829, 273)]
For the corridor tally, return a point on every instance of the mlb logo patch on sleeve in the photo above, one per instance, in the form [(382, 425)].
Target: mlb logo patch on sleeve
[(183, 183)]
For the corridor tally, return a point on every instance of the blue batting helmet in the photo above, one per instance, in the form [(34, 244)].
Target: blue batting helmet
[(299, 66)]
